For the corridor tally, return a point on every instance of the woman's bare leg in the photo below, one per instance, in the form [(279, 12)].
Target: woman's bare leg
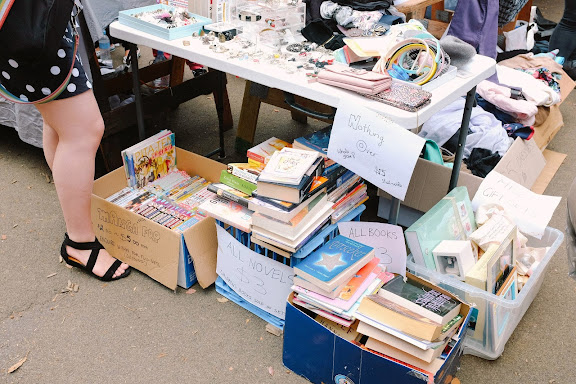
[(75, 128), (49, 143)]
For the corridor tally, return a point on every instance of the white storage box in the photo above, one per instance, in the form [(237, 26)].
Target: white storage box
[(497, 317)]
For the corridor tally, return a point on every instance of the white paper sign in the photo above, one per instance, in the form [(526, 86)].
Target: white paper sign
[(531, 212), (257, 279), (374, 147), (386, 239)]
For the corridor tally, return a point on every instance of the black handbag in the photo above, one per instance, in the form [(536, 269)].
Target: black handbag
[(34, 28)]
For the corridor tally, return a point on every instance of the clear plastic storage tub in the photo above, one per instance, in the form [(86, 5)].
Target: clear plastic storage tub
[(497, 317)]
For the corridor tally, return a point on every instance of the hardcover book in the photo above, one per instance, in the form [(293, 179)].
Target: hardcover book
[(280, 210), (321, 215), (317, 141), (421, 299), (381, 310), (245, 171), (450, 219), (385, 338), (336, 261), (263, 151), (296, 223), (289, 166)]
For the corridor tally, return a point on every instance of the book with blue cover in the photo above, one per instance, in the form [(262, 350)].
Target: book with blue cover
[(334, 263)]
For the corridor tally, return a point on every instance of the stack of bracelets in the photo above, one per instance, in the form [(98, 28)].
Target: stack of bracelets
[(415, 60)]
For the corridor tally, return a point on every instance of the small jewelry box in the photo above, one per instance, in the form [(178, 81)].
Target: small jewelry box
[(454, 257), (227, 29)]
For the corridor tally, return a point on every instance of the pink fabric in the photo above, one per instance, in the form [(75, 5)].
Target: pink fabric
[(524, 111)]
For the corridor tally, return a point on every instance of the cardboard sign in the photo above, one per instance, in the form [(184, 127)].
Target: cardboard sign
[(374, 147), (257, 279), (386, 239), (530, 211), (522, 163)]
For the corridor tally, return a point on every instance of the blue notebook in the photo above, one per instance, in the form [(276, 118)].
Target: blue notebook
[(335, 262)]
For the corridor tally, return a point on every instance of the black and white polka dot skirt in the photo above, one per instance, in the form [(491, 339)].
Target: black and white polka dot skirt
[(34, 82)]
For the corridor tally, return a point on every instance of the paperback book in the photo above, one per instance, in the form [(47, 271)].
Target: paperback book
[(150, 159), (335, 262), (228, 211), (262, 152)]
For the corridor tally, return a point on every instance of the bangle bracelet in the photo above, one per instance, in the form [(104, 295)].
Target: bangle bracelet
[(249, 16)]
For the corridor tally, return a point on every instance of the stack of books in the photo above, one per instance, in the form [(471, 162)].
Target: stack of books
[(410, 321), (332, 281), (346, 190), (290, 174), (149, 159), (229, 200)]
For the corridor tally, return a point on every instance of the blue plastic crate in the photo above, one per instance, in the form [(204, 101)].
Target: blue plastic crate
[(126, 18), (245, 239), (313, 244)]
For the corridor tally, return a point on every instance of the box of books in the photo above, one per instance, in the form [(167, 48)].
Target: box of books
[(390, 334), (171, 257)]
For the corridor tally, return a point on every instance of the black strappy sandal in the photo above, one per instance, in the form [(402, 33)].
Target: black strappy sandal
[(95, 247)]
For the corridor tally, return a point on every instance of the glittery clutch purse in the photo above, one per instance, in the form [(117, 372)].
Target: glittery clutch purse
[(357, 80), (406, 97)]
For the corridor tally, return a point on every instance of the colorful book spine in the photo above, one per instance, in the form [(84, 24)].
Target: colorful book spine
[(237, 183)]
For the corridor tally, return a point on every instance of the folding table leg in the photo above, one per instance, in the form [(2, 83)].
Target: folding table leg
[(394, 211), (219, 98), (462, 138), (136, 89)]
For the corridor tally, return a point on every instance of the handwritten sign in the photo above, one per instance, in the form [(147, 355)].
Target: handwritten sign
[(386, 239), (374, 147), (531, 212), (257, 279)]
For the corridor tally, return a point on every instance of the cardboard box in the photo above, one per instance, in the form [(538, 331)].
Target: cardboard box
[(151, 248), (524, 163), (316, 353)]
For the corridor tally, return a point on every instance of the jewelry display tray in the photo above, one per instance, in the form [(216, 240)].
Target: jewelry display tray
[(127, 18)]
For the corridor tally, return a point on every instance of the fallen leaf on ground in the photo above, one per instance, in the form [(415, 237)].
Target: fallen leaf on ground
[(162, 355), (19, 363), (47, 178), (71, 287), (51, 275), (247, 321), (60, 259), (222, 300), (3, 237), (191, 291), (14, 181), (29, 187), (276, 110), (15, 225), (231, 368), (271, 371)]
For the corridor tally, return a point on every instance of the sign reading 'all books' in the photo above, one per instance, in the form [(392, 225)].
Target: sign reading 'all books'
[(257, 279), (386, 239), (374, 147)]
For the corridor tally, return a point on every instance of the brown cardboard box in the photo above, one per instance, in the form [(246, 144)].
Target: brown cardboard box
[(150, 247), (523, 163)]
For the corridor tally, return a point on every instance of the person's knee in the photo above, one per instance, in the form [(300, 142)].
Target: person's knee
[(96, 128)]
